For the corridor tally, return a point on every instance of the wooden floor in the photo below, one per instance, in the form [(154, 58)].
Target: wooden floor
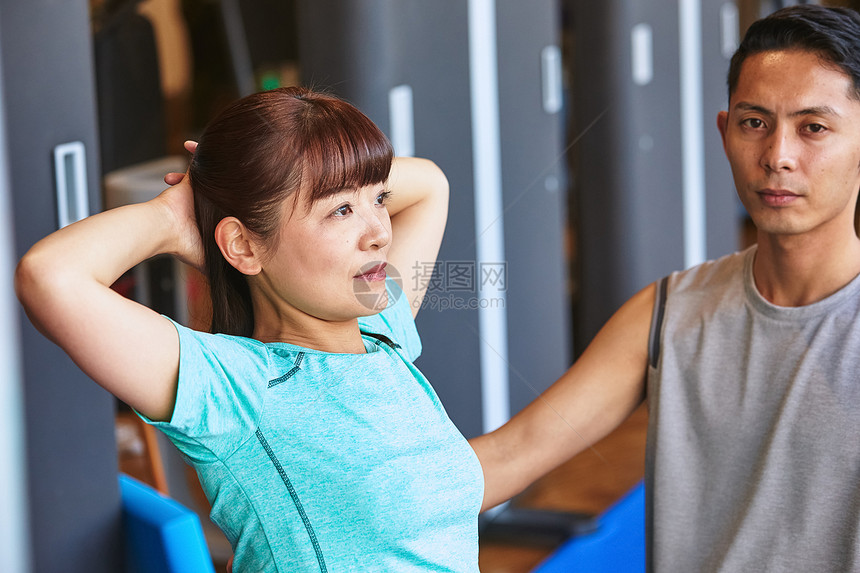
[(589, 483)]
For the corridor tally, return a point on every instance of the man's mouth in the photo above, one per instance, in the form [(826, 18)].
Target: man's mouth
[(777, 197)]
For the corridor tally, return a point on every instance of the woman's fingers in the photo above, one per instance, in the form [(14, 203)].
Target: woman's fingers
[(174, 178)]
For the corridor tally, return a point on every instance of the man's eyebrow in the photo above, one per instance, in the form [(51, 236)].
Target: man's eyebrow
[(822, 110), (744, 106)]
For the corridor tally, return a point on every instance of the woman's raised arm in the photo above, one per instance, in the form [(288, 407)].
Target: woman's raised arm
[(419, 211), (64, 283)]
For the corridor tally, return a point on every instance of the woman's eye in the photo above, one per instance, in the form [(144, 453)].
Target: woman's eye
[(342, 211), (383, 197)]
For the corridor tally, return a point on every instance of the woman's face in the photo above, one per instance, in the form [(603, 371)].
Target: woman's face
[(329, 257)]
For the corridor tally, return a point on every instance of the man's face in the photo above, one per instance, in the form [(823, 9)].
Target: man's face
[(792, 137)]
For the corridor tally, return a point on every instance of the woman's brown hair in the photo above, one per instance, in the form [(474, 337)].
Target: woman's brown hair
[(258, 152)]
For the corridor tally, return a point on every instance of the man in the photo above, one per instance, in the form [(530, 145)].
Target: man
[(752, 371)]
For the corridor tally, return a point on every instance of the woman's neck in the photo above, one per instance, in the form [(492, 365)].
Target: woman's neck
[(340, 337)]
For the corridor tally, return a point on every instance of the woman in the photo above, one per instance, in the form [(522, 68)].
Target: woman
[(318, 443)]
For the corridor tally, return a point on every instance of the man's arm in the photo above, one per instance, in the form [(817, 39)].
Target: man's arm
[(591, 399)]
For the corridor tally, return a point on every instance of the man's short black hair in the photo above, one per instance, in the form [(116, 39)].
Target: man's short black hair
[(830, 32)]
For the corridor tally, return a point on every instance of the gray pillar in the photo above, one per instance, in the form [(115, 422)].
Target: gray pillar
[(70, 463), (652, 193)]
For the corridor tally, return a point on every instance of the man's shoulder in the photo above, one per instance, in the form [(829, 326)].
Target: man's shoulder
[(716, 273)]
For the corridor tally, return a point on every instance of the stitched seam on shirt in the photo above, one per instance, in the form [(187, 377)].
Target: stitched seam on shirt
[(381, 338), (296, 367), (307, 522)]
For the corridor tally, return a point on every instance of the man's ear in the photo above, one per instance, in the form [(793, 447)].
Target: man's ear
[(722, 124), (237, 246)]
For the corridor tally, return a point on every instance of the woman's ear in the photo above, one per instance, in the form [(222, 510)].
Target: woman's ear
[(238, 246)]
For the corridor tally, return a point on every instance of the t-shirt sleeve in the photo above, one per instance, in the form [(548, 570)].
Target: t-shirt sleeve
[(219, 396), (396, 322)]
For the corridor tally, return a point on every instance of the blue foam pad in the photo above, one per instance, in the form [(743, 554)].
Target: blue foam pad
[(618, 544), (161, 535)]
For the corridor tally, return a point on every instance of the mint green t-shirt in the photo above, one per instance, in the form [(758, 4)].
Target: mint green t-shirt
[(314, 461)]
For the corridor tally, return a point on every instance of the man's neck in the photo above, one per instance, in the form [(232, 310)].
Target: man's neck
[(803, 269)]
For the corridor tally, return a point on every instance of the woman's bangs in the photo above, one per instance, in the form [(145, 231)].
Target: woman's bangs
[(345, 154)]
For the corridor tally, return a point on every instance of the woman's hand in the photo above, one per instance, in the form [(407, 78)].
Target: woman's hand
[(174, 178), (178, 202)]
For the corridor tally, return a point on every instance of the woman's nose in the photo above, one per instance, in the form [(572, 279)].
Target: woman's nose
[(377, 233)]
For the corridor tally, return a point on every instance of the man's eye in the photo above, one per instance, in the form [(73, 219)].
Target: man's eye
[(753, 122), (815, 128)]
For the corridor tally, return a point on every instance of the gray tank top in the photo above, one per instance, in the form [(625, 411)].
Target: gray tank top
[(753, 452)]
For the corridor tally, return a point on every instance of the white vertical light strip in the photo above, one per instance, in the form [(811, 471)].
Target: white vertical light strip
[(692, 131), (14, 527), (401, 120), (551, 80), (70, 178), (489, 225), (642, 57), (729, 29)]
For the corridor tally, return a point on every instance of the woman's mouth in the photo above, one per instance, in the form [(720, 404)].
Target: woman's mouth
[(373, 274)]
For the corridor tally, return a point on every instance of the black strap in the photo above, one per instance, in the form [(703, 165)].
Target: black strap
[(657, 322)]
